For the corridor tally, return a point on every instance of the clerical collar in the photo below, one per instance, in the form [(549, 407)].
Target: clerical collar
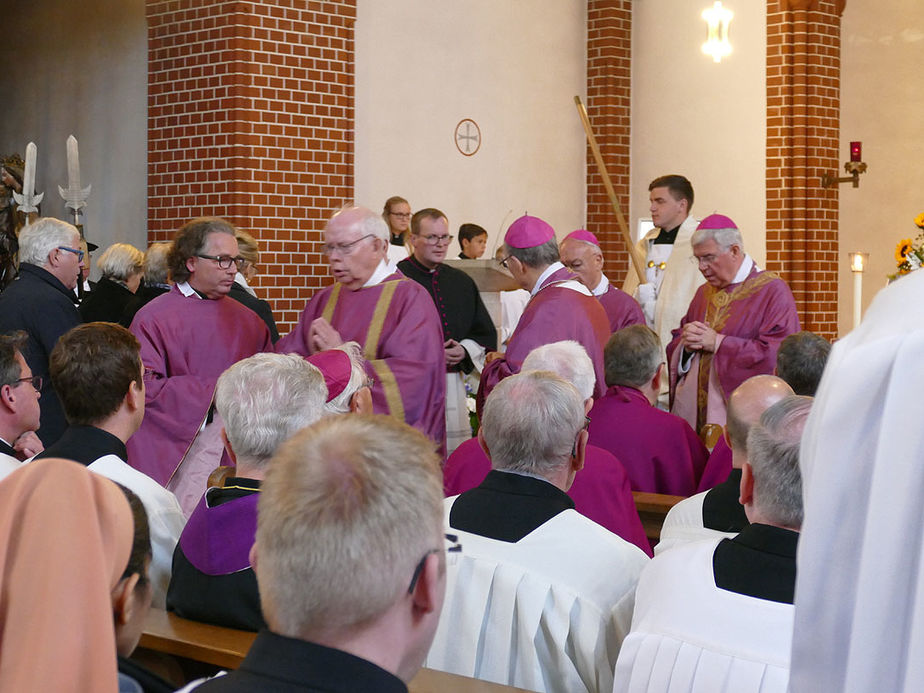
[(397, 240), (419, 265), (744, 270), (549, 271), (602, 287), (380, 273), (667, 237), (188, 291)]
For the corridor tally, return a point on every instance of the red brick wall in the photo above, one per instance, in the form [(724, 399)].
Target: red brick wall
[(250, 117), (803, 116), (609, 77)]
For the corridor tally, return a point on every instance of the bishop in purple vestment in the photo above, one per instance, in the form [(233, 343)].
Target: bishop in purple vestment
[(732, 329), (559, 308), (390, 316), (581, 253), (189, 336), (660, 452)]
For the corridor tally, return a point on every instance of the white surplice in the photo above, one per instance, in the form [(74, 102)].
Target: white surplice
[(546, 613), (689, 635), (859, 623)]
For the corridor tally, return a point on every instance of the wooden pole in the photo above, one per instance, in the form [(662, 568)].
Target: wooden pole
[(621, 220)]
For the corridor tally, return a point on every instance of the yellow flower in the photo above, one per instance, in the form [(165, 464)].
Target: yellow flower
[(919, 220), (902, 250)]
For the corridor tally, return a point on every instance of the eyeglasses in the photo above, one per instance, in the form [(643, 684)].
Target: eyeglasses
[(454, 547), (343, 248), (700, 260), (503, 261), (224, 261), (583, 428), (35, 380), (433, 239), (77, 251), (401, 215)]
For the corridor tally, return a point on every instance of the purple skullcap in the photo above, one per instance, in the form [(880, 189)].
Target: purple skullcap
[(528, 232), (717, 221), (336, 368), (582, 235)]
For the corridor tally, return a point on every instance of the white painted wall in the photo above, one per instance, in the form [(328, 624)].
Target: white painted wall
[(81, 68), (704, 120), (882, 98), (513, 66)]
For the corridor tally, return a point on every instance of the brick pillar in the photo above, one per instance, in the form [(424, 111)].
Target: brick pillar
[(803, 121), (250, 117), (609, 78)]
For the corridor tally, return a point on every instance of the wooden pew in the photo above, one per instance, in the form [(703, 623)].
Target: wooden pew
[(652, 509), (167, 633)]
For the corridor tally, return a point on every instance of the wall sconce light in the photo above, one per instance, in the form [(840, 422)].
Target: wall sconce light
[(718, 18), (858, 262), (854, 167)]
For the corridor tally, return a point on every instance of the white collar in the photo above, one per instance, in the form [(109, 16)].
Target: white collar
[(549, 271), (602, 287), (240, 281), (380, 273), (744, 270), (187, 290)]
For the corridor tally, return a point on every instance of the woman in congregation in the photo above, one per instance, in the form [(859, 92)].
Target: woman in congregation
[(241, 291), (74, 553), (397, 214), (121, 266)]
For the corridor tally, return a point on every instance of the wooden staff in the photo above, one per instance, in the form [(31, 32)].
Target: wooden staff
[(624, 229)]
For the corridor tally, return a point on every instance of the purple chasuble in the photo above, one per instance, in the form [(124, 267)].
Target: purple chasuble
[(621, 309), (399, 331), (600, 491), (660, 452), (752, 317), (718, 466), (217, 541), (186, 343), (553, 314)]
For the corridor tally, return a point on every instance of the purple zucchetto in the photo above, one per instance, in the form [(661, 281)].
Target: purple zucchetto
[(528, 232), (336, 368), (717, 221), (582, 235)]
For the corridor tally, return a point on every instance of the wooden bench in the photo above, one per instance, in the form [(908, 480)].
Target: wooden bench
[(652, 509), (167, 633)]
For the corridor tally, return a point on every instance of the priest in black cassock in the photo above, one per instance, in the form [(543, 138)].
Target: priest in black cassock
[(467, 328)]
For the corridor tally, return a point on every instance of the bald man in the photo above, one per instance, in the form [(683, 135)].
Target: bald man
[(718, 512)]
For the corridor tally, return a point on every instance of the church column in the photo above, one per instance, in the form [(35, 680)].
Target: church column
[(609, 78), (803, 117), (250, 117)]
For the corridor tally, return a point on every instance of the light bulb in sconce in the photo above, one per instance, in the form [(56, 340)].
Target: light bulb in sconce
[(858, 261), (718, 19)]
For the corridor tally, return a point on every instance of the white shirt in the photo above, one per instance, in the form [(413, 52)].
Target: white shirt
[(382, 271), (165, 518)]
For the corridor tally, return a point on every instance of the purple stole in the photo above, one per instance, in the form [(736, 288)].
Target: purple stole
[(217, 541)]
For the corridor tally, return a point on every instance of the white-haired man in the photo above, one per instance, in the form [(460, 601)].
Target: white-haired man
[(709, 514), (350, 560), (189, 336), (601, 491), (527, 552), (732, 329), (262, 401), (580, 252), (41, 302), (660, 451), (717, 615), (390, 316)]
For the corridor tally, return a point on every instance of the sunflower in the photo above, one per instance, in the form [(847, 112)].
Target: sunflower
[(919, 220), (902, 250)]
